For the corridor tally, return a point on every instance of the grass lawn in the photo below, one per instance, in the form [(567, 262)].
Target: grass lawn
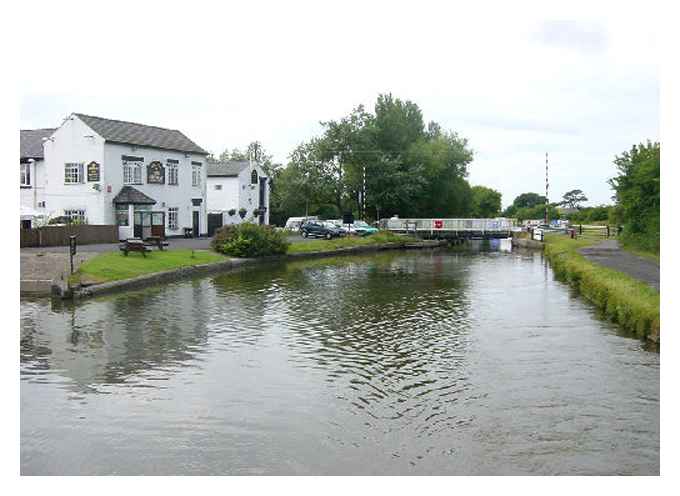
[(320, 245), (625, 300), (113, 266)]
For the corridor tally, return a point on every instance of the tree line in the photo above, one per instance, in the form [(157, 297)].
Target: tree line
[(411, 169), (376, 164)]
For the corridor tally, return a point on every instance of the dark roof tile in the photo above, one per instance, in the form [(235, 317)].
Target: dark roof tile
[(128, 194), (231, 168), (140, 134), (31, 142)]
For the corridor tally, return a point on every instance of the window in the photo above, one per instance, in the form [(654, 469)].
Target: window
[(173, 172), (132, 170), (25, 174), (173, 214), (218, 187), (195, 174), (122, 218), (73, 173), (253, 177), (76, 216)]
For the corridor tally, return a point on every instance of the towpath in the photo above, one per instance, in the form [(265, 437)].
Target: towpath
[(609, 254)]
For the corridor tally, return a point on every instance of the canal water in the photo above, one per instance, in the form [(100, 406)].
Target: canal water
[(437, 362)]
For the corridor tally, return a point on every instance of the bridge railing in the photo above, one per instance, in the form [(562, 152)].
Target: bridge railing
[(456, 225)]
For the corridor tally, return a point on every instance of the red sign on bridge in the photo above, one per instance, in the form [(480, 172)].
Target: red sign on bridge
[(438, 224)]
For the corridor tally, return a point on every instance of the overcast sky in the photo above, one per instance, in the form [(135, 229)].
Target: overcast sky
[(583, 91)]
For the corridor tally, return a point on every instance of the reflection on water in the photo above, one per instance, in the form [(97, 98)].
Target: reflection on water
[(445, 362)]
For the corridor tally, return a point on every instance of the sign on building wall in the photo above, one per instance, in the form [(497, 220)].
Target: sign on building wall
[(93, 172), (155, 173)]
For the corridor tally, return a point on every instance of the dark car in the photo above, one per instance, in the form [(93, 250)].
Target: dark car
[(320, 230)]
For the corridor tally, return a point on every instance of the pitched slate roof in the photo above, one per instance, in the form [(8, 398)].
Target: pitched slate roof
[(128, 194), (131, 133), (31, 144), (232, 168)]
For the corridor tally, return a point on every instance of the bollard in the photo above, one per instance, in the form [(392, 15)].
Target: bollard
[(580, 229)]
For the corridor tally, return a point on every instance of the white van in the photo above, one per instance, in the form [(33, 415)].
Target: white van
[(295, 223)]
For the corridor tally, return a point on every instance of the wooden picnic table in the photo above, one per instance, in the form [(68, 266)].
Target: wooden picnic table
[(134, 244), (157, 241)]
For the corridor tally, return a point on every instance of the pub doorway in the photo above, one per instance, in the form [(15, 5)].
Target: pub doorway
[(148, 223)]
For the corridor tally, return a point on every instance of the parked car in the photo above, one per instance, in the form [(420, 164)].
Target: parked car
[(363, 228), (320, 229), (295, 223), (345, 228)]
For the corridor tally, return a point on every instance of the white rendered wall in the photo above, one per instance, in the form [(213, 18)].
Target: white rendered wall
[(70, 144)]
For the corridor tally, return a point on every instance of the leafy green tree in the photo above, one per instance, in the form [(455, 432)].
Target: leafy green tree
[(405, 168), (523, 201), (537, 212), (573, 199), (486, 202), (637, 190)]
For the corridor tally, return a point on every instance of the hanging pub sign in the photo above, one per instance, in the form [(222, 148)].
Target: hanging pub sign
[(93, 174), (155, 173)]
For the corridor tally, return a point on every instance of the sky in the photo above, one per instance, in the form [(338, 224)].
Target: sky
[(516, 85)]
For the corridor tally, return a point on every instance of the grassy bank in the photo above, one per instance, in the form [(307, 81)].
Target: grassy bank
[(628, 302), (321, 245), (114, 266)]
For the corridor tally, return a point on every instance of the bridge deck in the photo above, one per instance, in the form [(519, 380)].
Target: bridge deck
[(486, 228)]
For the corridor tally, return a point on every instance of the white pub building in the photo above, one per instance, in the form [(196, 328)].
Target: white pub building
[(146, 179)]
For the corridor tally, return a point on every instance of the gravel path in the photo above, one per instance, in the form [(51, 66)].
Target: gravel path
[(608, 254)]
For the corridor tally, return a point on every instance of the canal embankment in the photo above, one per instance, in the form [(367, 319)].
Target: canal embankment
[(80, 286), (521, 240), (630, 302)]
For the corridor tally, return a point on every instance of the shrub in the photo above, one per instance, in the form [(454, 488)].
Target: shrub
[(249, 240), (231, 212), (242, 212)]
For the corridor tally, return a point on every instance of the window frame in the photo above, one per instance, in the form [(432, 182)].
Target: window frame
[(69, 168), (173, 226), (82, 214), (25, 175), (196, 172), (133, 168), (172, 168)]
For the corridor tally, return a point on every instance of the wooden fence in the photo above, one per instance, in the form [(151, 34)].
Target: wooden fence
[(59, 235)]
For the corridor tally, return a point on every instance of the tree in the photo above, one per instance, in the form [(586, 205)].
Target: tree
[(403, 167), (486, 202), (637, 190), (524, 201), (573, 199)]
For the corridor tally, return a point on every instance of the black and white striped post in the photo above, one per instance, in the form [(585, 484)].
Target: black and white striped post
[(546, 188)]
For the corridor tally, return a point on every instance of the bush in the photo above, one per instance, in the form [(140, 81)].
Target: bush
[(231, 212), (242, 212), (249, 240)]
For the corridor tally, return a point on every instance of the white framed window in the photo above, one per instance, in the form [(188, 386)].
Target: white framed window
[(122, 217), (25, 174), (73, 173), (132, 170), (173, 218), (173, 172), (77, 216), (195, 174), (218, 187)]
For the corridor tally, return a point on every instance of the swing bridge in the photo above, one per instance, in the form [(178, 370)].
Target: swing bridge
[(452, 228)]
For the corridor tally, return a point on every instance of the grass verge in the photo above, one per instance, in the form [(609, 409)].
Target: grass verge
[(628, 302), (114, 266), (321, 245)]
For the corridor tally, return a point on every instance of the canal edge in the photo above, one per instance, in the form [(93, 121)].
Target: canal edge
[(61, 290)]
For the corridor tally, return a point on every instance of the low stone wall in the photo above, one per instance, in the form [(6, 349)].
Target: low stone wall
[(60, 290), (527, 243)]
